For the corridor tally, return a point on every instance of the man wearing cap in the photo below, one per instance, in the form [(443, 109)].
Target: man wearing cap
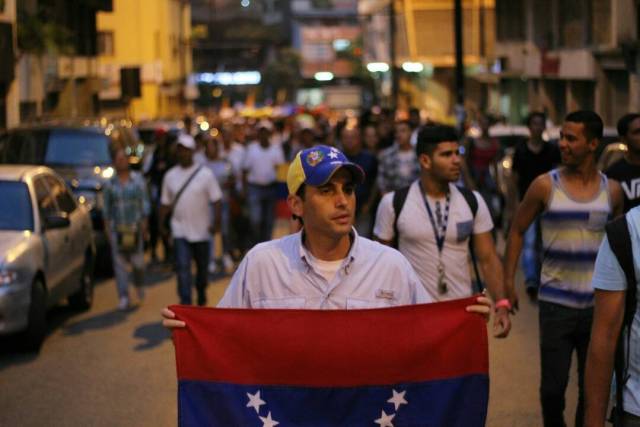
[(187, 192), (260, 164), (326, 265)]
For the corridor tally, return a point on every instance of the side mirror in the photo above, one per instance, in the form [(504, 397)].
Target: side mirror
[(56, 221)]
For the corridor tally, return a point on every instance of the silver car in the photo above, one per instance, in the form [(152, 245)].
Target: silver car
[(47, 251)]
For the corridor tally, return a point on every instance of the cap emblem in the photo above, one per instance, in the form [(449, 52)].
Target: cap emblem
[(314, 157)]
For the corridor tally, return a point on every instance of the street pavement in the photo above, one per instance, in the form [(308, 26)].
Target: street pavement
[(108, 368)]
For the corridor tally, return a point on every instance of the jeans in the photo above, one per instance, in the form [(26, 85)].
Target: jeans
[(531, 254), (121, 263), (225, 228), (261, 201), (185, 252), (562, 330)]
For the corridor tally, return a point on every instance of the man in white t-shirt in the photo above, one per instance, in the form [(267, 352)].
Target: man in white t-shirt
[(188, 190), (436, 222), (260, 165)]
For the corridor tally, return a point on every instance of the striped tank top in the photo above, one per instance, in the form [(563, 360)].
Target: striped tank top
[(571, 235)]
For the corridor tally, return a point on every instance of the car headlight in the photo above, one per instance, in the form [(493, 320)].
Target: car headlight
[(90, 199), (8, 277)]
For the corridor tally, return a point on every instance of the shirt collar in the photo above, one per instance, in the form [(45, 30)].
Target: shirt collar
[(351, 256)]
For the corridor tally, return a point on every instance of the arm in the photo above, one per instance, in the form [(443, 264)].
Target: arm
[(490, 266), (383, 228), (617, 198), (217, 217), (532, 205), (607, 321)]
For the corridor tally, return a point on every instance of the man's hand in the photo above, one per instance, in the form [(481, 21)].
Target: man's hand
[(483, 307), (501, 323), (169, 319)]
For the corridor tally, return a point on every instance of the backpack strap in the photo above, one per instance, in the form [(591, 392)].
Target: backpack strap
[(471, 200), (399, 197), (619, 239)]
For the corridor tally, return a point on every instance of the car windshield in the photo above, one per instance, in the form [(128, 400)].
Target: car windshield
[(77, 148), (16, 212)]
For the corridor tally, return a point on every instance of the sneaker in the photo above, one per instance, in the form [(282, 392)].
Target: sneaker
[(227, 262), (123, 304), (213, 268)]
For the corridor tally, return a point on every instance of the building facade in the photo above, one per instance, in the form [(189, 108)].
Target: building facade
[(9, 99), (561, 55), (145, 58), (425, 37)]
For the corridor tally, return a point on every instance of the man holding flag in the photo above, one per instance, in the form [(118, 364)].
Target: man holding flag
[(327, 266)]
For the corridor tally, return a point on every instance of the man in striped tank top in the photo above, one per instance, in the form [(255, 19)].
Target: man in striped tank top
[(574, 203)]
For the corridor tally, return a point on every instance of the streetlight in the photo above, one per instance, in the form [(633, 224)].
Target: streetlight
[(413, 67), (378, 67), (323, 76)]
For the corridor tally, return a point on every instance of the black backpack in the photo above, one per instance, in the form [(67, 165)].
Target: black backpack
[(400, 196), (620, 243)]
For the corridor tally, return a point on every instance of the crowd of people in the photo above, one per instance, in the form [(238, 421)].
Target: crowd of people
[(355, 186)]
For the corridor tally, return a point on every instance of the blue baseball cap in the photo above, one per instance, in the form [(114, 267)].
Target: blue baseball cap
[(316, 165)]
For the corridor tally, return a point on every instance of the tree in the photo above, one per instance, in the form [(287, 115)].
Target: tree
[(283, 73)]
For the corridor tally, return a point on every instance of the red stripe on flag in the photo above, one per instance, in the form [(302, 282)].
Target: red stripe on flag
[(331, 347)]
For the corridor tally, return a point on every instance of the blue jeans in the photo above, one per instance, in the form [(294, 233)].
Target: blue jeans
[(532, 247), (261, 201), (121, 262), (225, 227), (185, 252)]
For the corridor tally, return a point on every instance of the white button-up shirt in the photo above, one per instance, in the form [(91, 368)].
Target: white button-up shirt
[(278, 274)]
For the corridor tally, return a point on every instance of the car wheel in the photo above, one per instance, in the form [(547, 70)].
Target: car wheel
[(37, 327), (83, 298)]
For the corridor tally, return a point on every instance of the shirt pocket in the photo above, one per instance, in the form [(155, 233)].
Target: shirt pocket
[(597, 220), (463, 230), (360, 303), (287, 302)]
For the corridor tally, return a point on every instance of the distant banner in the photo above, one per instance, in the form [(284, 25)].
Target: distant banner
[(421, 365)]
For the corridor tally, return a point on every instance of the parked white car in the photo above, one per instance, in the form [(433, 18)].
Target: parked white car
[(47, 251)]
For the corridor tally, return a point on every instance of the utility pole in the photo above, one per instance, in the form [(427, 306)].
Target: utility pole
[(392, 54), (459, 108)]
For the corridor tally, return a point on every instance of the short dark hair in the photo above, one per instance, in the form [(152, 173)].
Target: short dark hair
[(624, 122), (535, 114), (592, 122), (430, 136), (300, 193)]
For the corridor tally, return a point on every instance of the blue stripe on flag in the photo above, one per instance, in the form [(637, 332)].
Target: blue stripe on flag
[(451, 402)]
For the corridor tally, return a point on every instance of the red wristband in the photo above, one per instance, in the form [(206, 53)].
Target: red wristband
[(503, 303)]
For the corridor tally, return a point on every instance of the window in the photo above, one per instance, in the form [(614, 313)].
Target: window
[(23, 147), (511, 20), (105, 43), (63, 198), (70, 147), (16, 213), (46, 200)]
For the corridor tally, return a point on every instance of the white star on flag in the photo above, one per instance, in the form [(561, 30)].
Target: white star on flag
[(398, 399), (333, 155), (385, 420), (268, 422), (255, 402)]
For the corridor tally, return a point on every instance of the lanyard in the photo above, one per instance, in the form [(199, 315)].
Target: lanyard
[(441, 232)]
